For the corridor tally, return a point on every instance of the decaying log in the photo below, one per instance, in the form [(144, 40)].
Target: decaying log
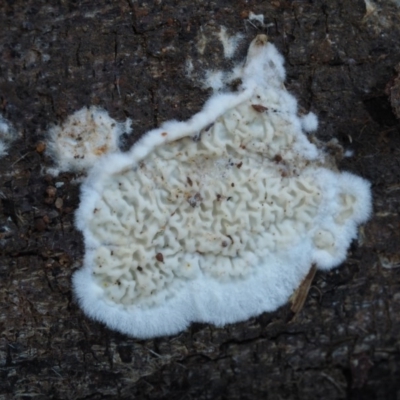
[(131, 58)]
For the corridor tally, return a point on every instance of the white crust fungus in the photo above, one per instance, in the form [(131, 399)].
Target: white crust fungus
[(216, 219), (85, 136)]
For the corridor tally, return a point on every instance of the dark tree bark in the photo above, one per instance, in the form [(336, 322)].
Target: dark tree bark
[(130, 58)]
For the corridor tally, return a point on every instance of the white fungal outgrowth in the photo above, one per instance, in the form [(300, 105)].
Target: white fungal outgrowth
[(259, 18), (216, 219), (229, 43), (214, 80), (309, 122), (85, 136), (7, 135)]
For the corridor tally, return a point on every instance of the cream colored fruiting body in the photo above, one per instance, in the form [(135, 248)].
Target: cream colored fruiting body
[(215, 204), (216, 219)]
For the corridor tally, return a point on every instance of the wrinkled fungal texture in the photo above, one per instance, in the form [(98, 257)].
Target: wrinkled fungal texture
[(218, 218), (212, 204)]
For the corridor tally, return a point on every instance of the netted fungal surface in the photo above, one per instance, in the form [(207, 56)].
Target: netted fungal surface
[(215, 204), (216, 219)]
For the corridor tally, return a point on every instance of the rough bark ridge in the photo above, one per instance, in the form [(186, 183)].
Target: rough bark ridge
[(130, 57)]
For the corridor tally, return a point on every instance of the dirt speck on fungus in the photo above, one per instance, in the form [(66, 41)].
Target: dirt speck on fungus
[(101, 150)]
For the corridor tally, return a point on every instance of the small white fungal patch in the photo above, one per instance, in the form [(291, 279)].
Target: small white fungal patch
[(380, 13), (348, 153), (229, 43), (7, 135), (309, 122), (214, 80), (189, 68), (257, 18), (201, 42), (370, 7), (216, 219), (85, 136)]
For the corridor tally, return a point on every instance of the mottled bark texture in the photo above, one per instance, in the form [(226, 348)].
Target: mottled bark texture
[(130, 57), (393, 90)]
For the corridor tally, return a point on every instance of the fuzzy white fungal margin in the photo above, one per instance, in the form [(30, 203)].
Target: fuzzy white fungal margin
[(214, 80), (85, 136), (216, 219)]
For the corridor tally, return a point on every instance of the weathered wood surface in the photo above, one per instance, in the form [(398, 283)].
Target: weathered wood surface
[(130, 57)]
